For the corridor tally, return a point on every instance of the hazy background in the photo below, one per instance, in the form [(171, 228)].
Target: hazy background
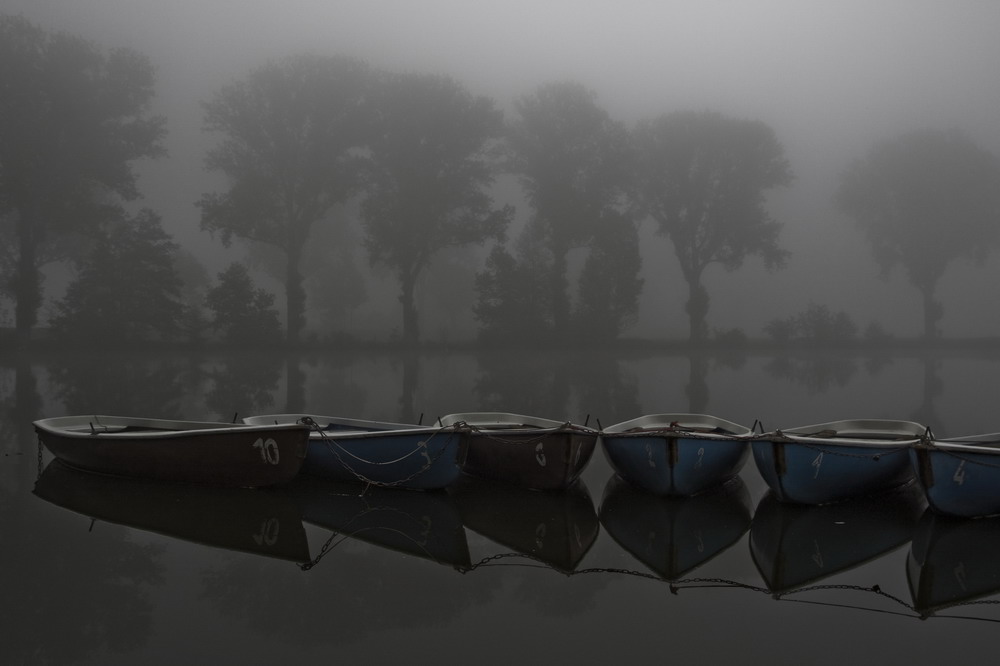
[(830, 78)]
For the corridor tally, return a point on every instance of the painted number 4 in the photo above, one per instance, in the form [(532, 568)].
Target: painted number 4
[(268, 450)]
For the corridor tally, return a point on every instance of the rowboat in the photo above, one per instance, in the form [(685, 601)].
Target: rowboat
[(376, 452), (953, 562), (555, 528), (675, 535), (526, 451), (793, 545), (676, 454), (960, 476), (223, 454), (258, 521), (425, 525), (835, 461)]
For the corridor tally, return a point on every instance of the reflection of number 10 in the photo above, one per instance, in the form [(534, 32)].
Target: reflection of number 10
[(268, 450)]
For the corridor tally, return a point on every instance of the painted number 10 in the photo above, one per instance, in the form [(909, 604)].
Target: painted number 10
[(268, 450)]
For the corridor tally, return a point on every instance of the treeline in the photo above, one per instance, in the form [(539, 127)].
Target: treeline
[(415, 157)]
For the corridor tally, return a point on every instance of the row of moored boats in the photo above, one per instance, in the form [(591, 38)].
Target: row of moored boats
[(663, 454)]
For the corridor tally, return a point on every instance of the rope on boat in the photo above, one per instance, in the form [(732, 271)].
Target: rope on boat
[(492, 434), (673, 431), (844, 454), (336, 449)]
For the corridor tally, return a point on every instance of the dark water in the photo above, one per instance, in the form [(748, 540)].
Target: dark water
[(138, 573)]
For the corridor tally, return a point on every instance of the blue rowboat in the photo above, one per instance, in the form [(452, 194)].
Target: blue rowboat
[(376, 452), (676, 454), (525, 451), (960, 476), (835, 461)]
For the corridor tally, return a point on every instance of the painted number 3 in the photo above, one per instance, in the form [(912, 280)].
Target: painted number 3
[(268, 450)]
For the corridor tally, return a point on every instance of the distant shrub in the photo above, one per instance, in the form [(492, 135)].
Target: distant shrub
[(876, 333), (817, 324), (242, 313), (734, 337)]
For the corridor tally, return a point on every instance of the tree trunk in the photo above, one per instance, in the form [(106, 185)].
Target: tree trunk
[(411, 325), (295, 295), (559, 301), (28, 279), (697, 310), (697, 387), (933, 312)]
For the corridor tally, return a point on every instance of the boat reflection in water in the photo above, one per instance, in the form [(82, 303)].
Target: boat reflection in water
[(259, 521), (793, 545), (555, 527), (423, 524), (953, 562), (673, 535)]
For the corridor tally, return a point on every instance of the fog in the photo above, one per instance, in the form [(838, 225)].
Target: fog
[(830, 78)]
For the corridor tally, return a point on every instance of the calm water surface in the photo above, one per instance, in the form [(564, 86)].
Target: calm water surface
[(139, 573)]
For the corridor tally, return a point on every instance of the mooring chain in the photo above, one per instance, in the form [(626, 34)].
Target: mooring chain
[(961, 457), (843, 454)]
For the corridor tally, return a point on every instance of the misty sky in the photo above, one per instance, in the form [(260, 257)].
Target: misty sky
[(830, 77)]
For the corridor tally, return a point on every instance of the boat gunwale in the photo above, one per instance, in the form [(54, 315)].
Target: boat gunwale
[(127, 427), (375, 429), (863, 433), (986, 444), (673, 425), (512, 424)]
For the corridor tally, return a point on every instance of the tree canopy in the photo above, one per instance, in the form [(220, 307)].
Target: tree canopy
[(431, 167), (574, 163), (73, 119), (127, 290), (292, 132), (241, 312), (702, 177), (924, 199)]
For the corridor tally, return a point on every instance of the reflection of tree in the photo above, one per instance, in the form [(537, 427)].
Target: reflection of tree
[(557, 386), (933, 387), (243, 384), (605, 392), (411, 378), (335, 392), (816, 372), (876, 361), (123, 384), (512, 382), (295, 385), (68, 593), (697, 387)]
